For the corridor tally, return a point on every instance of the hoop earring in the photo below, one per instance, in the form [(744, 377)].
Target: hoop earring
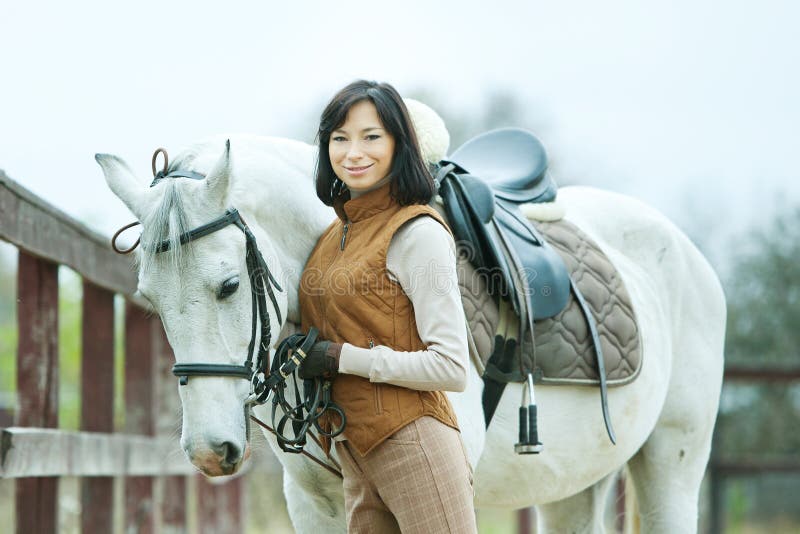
[(337, 187)]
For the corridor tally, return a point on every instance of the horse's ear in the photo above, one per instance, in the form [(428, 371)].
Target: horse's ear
[(123, 182), (219, 178)]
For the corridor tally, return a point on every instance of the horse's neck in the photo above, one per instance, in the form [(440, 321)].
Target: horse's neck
[(276, 190)]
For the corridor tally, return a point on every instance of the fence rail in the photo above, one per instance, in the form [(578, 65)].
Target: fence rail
[(42, 230), (34, 451), (46, 452), (721, 469)]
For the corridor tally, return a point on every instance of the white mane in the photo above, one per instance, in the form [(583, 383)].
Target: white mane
[(166, 222)]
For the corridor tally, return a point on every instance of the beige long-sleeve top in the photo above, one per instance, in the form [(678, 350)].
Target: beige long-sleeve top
[(422, 259)]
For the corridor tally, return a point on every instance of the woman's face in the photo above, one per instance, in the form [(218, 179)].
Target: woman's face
[(361, 150)]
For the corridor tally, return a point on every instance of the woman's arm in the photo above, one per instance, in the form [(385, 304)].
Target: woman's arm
[(421, 258)]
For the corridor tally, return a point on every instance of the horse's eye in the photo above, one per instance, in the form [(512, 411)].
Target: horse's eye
[(228, 287)]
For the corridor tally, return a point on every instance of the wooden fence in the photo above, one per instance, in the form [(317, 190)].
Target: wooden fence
[(145, 452), (721, 469)]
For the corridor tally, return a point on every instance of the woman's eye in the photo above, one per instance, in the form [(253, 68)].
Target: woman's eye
[(373, 137), (338, 139), (228, 287)]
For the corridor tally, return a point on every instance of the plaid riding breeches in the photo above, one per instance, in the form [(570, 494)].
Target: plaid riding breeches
[(417, 481)]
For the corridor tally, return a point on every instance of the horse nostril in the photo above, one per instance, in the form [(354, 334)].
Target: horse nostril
[(229, 452)]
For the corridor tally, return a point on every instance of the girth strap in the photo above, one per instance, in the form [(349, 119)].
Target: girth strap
[(498, 370), (601, 366)]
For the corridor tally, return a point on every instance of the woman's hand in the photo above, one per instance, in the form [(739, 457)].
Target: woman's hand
[(321, 361)]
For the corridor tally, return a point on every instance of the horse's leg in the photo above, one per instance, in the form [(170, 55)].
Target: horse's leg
[(666, 474), (581, 513), (313, 511), (668, 469)]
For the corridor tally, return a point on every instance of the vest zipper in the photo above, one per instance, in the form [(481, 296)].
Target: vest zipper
[(320, 297), (344, 234)]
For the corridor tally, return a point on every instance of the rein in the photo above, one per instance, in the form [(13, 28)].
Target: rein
[(335, 470), (290, 353)]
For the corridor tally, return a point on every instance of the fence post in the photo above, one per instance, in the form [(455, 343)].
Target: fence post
[(173, 507), (716, 484), (139, 411), (97, 399), (524, 520), (37, 382), (220, 506)]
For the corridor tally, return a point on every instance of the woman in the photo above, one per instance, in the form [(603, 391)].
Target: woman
[(381, 287)]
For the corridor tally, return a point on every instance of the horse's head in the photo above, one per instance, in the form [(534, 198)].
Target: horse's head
[(202, 291)]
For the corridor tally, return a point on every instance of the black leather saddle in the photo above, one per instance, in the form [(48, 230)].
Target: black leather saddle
[(482, 185), (512, 161)]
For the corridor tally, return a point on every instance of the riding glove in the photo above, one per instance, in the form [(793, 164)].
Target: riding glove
[(322, 360)]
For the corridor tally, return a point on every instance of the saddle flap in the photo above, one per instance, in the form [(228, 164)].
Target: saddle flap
[(460, 219), (500, 240), (546, 275), (478, 195)]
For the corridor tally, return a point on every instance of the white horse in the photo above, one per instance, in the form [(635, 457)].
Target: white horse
[(664, 419)]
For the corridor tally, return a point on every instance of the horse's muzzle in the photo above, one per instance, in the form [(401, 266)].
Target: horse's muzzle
[(220, 458)]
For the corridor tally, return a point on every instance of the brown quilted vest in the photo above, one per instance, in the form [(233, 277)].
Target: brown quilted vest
[(346, 293)]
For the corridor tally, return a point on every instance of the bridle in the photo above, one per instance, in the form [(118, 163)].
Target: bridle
[(260, 279), (263, 377)]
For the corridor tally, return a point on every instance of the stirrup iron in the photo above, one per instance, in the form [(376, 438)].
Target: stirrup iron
[(528, 429)]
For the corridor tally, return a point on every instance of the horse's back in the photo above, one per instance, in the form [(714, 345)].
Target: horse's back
[(652, 255), (658, 254)]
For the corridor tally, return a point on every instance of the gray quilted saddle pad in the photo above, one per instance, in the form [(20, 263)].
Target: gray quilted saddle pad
[(564, 349)]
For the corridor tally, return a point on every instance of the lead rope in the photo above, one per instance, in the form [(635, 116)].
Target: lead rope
[(335, 470), (315, 404)]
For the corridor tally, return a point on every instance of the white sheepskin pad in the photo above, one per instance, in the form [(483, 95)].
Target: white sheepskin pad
[(545, 211), (432, 134)]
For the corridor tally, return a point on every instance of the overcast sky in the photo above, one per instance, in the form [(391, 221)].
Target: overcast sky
[(689, 105)]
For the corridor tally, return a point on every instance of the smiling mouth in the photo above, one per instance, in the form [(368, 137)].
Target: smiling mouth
[(359, 169)]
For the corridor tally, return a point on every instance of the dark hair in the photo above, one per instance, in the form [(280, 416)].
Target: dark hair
[(410, 182)]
